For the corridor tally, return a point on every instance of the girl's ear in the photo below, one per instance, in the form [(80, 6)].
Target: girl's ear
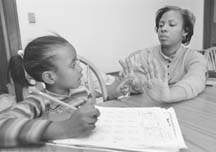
[(48, 77), (184, 32)]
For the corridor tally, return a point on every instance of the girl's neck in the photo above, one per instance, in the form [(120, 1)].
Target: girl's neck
[(57, 90), (170, 50)]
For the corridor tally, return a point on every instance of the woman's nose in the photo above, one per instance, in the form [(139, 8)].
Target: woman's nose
[(164, 28)]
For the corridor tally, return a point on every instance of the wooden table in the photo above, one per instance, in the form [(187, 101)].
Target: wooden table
[(197, 119)]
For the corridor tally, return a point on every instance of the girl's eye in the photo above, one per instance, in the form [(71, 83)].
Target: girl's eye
[(75, 62), (73, 65)]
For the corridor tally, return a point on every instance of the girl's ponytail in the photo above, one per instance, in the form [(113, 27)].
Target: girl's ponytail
[(17, 73)]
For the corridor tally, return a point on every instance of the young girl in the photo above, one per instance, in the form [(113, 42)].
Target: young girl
[(53, 61), (170, 72), (22, 82)]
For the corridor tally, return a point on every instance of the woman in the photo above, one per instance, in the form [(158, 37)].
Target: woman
[(169, 72)]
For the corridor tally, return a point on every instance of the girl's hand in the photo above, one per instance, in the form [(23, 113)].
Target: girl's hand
[(81, 123), (124, 86), (157, 82), (120, 87)]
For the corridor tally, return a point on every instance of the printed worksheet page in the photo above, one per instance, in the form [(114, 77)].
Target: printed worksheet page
[(133, 129)]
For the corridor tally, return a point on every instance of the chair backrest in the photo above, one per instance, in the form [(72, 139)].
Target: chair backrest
[(97, 74), (210, 55)]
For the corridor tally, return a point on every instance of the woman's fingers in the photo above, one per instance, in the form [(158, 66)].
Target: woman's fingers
[(129, 65), (121, 62), (124, 67), (147, 70), (156, 68), (150, 67), (165, 74), (143, 64)]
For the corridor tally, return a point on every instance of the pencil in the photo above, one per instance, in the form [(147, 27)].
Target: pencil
[(72, 107)]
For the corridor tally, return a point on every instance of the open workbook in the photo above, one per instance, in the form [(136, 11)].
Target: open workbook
[(133, 129)]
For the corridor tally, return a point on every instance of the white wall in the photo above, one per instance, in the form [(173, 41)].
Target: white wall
[(103, 31)]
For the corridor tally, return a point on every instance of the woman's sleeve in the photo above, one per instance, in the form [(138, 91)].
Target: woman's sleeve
[(19, 125), (194, 80)]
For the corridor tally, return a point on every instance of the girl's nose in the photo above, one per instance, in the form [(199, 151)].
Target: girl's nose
[(79, 66)]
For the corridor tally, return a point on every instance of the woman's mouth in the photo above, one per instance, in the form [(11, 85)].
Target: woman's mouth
[(163, 37)]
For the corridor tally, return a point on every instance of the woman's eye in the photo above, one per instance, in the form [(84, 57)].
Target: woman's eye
[(161, 25), (172, 24)]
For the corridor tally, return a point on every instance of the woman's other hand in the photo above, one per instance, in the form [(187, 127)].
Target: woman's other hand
[(133, 72)]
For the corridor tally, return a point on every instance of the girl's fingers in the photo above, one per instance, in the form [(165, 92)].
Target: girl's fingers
[(79, 103), (124, 86), (125, 90)]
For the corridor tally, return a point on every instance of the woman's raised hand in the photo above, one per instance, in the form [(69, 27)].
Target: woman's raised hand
[(156, 85), (149, 77)]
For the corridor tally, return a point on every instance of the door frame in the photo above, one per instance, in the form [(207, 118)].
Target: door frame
[(10, 35), (209, 16)]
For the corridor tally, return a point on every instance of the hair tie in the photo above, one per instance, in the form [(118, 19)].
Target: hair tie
[(20, 53), (27, 77)]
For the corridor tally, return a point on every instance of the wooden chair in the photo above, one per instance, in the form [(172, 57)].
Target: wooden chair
[(93, 70), (210, 55)]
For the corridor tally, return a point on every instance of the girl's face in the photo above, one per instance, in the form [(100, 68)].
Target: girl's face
[(170, 30), (69, 73)]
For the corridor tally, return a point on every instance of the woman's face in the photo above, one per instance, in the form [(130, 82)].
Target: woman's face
[(170, 30)]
